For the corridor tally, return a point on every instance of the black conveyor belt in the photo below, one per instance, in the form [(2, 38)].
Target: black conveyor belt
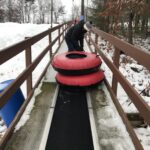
[(70, 128)]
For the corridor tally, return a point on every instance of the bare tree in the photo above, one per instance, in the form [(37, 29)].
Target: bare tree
[(31, 11), (59, 9), (44, 11), (2, 10), (116, 9), (75, 11), (13, 11)]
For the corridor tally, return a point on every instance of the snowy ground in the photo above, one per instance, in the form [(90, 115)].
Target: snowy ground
[(138, 76), (12, 33)]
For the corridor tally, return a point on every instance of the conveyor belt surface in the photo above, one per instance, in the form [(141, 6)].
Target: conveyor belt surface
[(70, 128)]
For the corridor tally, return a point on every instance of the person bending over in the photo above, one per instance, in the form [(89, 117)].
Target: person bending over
[(75, 35)]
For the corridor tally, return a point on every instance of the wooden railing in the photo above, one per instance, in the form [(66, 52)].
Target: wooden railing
[(141, 57), (26, 75)]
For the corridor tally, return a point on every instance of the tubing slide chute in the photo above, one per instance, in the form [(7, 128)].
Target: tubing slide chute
[(71, 124)]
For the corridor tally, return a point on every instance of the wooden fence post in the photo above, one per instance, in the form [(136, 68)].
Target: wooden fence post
[(50, 48), (116, 63), (66, 26), (59, 35), (89, 36), (63, 32), (96, 41), (96, 38), (28, 57)]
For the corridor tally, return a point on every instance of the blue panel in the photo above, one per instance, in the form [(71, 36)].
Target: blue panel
[(9, 110)]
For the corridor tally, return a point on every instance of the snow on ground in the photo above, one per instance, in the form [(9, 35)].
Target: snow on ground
[(12, 33), (28, 109), (111, 130), (138, 76)]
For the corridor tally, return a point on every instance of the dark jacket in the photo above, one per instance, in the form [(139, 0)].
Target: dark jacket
[(76, 35)]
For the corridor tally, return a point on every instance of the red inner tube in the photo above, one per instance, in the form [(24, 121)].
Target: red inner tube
[(82, 80), (76, 61)]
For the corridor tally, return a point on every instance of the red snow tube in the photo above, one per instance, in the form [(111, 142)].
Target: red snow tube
[(82, 80), (76, 63)]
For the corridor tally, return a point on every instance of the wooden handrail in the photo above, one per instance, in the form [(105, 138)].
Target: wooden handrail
[(136, 142), (141, 57), (27, 73), (12, 88), (21, 46), (139, 102)]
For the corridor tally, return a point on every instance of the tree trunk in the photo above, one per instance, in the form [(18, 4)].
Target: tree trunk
[(146, 28), (43, 18), (107, 24), (137, 19), (143, 27), (9, 11), (122, 28), (130, 31), (56, 16), (82, 8), (23, 11)]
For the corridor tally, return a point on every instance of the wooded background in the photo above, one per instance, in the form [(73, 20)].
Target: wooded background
[(122, 17), (128, 18)]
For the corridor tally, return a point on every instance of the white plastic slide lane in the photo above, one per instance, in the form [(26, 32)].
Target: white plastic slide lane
[(49, 120), (92, 123), (50, 117)]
